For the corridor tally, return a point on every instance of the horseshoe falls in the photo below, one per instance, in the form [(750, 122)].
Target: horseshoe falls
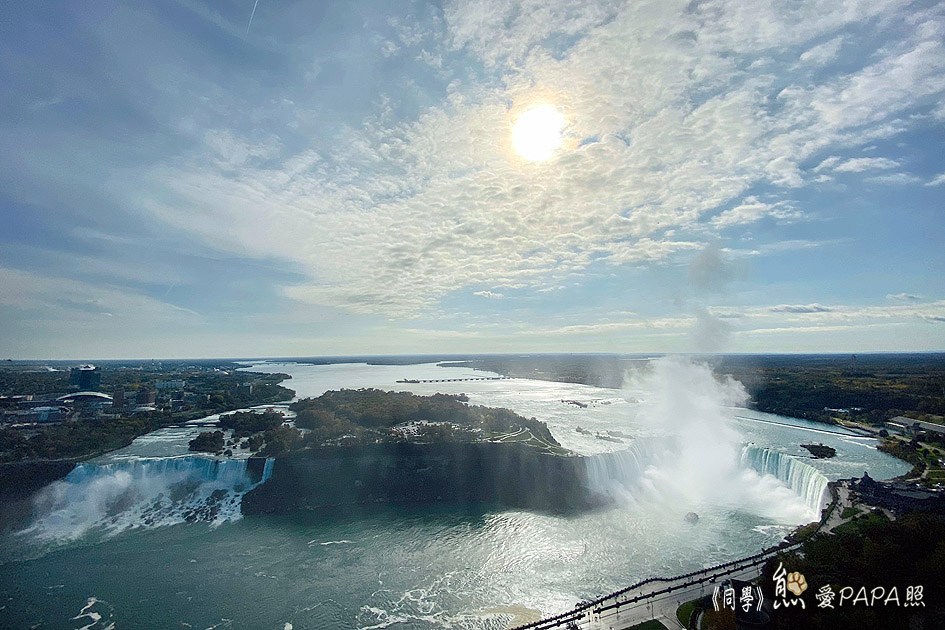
[(803, 479), (640, 474)]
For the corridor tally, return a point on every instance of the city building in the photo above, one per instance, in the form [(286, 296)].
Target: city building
[(902, 423), (49, 414), (146, 396), (84, 397), (86, 377), (169, 384), (87, 404), (118, 399)]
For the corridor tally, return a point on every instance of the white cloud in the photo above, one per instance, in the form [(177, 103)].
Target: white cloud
[(232, 151), (822, 53), (828, 163), (858, 165), (800, 308), (894, 179), (911, 310), (802, 330), (752, 209), (666, 126), (938, 180), (503, 31), (71, 300), (489, 294), (59, 317), (903, 297)]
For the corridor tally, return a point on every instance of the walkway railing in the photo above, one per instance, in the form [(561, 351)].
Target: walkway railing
[(615, 600)]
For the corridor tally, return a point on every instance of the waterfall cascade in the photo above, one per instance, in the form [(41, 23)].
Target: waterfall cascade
[(620, 474), (650, 462), (802, 478), (145, 493)]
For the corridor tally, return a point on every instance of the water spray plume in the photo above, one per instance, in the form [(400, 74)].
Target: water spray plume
[(685, 400), (700, 459)]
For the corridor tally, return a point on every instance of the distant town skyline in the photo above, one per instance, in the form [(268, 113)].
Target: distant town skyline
[(339, 179)]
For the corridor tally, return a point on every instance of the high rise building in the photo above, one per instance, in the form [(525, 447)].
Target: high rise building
[(86, 377), (118, 398)]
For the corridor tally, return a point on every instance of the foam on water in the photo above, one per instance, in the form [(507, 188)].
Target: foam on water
[(97, 613), (110, 498)]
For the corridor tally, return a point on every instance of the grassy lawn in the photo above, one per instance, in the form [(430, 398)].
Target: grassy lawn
[(527, 437), (652, 624), (936, 475), (860, 523), (684, 612)]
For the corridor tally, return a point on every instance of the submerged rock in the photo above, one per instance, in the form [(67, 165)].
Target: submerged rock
[(692, 518)]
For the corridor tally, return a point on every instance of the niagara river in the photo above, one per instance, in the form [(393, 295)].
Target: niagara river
[(152, 535)]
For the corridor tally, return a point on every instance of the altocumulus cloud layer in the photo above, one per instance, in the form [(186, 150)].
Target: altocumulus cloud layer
[(342, 180)]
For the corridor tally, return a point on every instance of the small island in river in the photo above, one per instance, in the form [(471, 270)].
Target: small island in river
[(364, 417), (820, 451), (368, 446)]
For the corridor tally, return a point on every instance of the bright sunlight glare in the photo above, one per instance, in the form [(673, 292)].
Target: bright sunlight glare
[(537, 133)]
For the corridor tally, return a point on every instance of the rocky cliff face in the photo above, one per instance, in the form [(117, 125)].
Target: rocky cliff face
[(18, 480), (511, 475)]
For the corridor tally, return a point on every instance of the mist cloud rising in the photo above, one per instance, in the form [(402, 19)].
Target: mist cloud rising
[(683, 399)]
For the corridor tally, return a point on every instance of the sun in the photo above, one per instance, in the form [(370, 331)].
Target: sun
[(537, 133)]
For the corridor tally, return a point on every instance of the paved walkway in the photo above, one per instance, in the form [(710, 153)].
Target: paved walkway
[(659, 598), (663, 607), (656, 599)]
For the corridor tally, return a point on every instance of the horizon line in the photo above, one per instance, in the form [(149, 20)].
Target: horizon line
[(11, 360)]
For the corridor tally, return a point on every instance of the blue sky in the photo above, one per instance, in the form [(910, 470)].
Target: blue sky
[(340, 179)]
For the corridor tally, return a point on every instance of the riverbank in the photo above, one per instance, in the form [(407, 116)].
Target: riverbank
[(86, 439)]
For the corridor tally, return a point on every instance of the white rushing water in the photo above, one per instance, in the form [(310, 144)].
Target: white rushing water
[(699, 457), (110, 498), (765, 482), (803, 479)]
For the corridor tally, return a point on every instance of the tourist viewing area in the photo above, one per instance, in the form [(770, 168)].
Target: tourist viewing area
[(659, 597), (655, 598)]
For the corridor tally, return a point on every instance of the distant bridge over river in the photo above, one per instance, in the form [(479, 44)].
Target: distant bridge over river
[(455, 380)]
